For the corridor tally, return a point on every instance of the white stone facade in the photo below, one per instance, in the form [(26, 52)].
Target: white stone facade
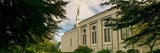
[(95, 25)]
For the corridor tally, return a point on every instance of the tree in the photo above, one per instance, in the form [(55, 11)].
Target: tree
[(45, 47), (132, 51), (153, 43), (141, 13), (120, 51), (155, 51), (136, 29), (27, 22)]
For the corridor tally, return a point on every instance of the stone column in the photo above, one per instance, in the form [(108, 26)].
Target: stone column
[(79, 36), (114, 38), (99, 35), (88, 30)]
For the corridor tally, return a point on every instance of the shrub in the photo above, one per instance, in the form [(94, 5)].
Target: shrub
[(83, 49), (132, 51), (29, 51), (56, 52), (150, 52), (104, 51), (120, 51), (154, 51)]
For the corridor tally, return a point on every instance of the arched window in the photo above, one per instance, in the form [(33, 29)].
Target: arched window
[(94, 27), (84, 37), (84, 30), (94, 35)]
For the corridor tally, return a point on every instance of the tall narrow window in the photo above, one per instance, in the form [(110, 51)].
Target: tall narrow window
[(105, 35), (125, 33), (92, 37), (95, 37), (122, 35), (70, 42), (128, 32), (109, 34), (84, 39)]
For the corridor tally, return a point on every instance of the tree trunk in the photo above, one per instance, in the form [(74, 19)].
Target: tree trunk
[(151, 48), (23, 50)]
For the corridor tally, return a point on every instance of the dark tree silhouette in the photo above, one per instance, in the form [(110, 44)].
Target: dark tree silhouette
[(25, 22), (141, 13)]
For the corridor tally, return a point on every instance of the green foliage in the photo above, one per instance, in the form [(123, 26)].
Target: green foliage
[(29, 51), (132, 51), (140, 13), (150, 52), (83, 49), (55, 52), (47, 47), (67, 52), (104, 51), (27, 22), (120, 51), (11, 49), (154, 51)]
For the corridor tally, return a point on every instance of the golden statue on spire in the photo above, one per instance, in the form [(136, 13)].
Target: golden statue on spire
[(77, 16)]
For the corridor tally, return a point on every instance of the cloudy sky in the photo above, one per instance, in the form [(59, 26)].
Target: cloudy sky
[(87, 9)]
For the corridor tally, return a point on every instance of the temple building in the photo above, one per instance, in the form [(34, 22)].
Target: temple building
[(93, 33)]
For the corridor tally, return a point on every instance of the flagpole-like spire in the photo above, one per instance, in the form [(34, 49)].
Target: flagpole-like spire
[(78, 10), (77, 16)]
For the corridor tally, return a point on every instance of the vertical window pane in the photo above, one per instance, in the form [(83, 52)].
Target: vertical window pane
[(105, 35), (109, 33), (70, 42), (95, 37), (123, 33), (85, 39), (128, 32), (92, 37)]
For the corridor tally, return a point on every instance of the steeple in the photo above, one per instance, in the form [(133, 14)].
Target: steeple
[(78, 10), (77, 16)]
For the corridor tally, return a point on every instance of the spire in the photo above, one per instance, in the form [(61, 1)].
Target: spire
[(78, 10), (77, 16)]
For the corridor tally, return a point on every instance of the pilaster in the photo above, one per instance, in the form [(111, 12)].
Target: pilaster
[(88, 35), (79, 36), (114, 38), (99, 35)]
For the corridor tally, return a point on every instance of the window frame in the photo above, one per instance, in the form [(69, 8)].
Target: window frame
[(107, 34)]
